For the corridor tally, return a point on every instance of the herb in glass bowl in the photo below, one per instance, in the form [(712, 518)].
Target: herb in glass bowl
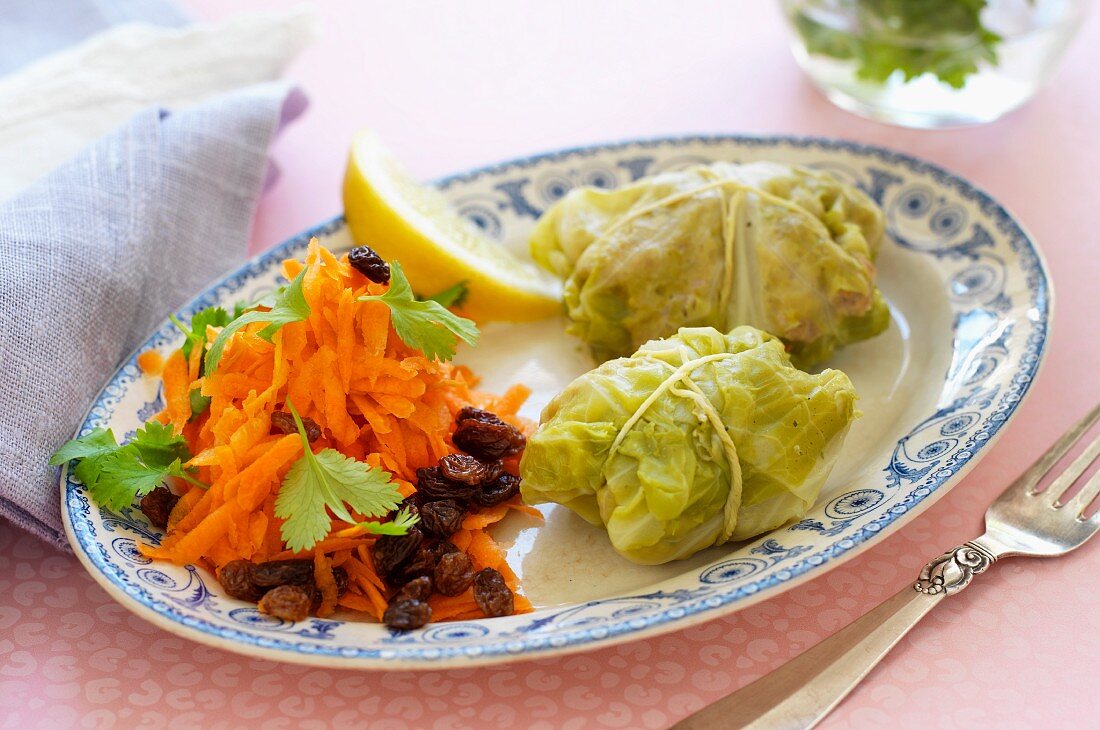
[(931, 63), (945, 38)]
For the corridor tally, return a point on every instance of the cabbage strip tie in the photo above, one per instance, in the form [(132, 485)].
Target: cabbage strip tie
[(682, 374)]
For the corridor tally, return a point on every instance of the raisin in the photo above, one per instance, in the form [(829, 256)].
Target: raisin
[(502, 489), (157, 505), (410, 503), (236, 579), (424, 562), (492, 594), (367, 262), (487, 440), (469, 413), (417, 589), (442, 518), (296, 571), (453, 574), (391, 552), (283, 422), (290, 603), (341, 577), (406, 615), (469, 470), (438, 549), (431, 485)]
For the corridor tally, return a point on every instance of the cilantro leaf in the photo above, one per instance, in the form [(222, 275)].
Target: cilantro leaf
[(88, 470), (326, 481), (116, 475), (199, 402), (289, 305), (452, 296), (158, 445), (196, 333), (427, 326), (196, 337), (123, 476), (945, 38), (92, 445), (399, 525)]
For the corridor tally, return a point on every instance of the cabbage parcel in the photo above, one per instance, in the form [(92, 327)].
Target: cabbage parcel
[(785, 249), (693, 441)]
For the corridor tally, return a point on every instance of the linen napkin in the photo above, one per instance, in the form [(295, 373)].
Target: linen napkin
[(97, 251), (32, 29), (55, 107)]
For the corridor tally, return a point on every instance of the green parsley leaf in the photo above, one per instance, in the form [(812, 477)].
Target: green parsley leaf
[(196, 337), (158, 445), (123, 476), (326, 481), (116, 475), (427, 326), (452, 296), (199, 402), (289, 305), (945, 38), (196, 333), (400, 524), (94, 444), (88, 470)]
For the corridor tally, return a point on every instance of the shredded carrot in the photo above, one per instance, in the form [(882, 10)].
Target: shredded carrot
[(176, 391), (356, 602), (484, 551), (326, 583), (526, 509), (481, 520), (328, 545), (376, 400), (151, 363), (461, 540)]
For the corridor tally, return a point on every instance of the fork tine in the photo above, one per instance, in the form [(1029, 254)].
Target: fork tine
[(1030, 478), (1088, 493), (1073, 472)]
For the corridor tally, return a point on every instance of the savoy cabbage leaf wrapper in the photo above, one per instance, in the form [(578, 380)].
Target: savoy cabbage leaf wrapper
[(787, 250), (694, 441)]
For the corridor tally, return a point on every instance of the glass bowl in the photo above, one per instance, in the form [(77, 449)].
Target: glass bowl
[(931, 63)]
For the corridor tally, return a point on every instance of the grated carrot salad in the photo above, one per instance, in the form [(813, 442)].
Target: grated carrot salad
[(376, 399)]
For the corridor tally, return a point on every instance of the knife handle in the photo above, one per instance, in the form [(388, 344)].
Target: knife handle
[(804, 690)]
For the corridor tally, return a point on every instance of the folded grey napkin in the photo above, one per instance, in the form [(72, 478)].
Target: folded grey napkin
[(99, 251)]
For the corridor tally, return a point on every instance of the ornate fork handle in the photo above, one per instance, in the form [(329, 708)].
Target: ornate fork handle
[(1024, 520), (802, 691), (953, 571)]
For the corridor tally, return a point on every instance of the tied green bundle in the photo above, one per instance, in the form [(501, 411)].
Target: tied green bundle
[(693, 441), (785, 249)]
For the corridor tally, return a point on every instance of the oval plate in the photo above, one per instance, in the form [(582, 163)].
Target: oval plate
[(971, 301)]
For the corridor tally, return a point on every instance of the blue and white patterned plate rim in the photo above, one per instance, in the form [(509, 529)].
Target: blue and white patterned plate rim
[(685, 607)]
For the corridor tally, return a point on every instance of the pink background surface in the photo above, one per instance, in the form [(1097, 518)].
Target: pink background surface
[(457, 85)]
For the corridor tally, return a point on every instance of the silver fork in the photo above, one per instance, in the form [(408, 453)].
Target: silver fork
[(1022, 521)]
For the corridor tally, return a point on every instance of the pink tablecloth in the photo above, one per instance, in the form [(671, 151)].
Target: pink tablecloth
[(461, 85)]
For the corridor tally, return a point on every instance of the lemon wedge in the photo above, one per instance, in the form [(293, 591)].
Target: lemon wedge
[(402, 219)]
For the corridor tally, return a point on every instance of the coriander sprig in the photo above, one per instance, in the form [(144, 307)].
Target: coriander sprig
[(195, 336), (116, 475), (329, 480), (453, 296), (426, 325), (196, 332), (288, 305)]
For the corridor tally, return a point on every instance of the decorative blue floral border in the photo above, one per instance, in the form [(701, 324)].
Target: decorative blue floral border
[(578, 625)]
